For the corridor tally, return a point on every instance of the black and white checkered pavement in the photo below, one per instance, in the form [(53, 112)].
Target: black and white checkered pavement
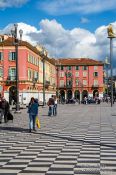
[(80, 140)]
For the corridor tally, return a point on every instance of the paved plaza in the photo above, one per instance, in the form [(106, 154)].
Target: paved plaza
[(81, 139)]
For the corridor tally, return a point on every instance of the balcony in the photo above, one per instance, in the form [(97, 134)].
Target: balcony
[(69, 86), (34, 80), (94, 86), (10, 80)]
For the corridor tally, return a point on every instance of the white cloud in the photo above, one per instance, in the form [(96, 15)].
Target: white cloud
[(64, 43), (12, 3), (60, 7)]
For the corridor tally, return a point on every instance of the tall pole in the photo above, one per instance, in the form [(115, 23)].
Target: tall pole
[(43, 80), (66, 86), (17, 73), (16, 44), (111, 54), (111, 35), (57, 92)]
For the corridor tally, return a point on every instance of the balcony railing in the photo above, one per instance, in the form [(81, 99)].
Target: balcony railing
[(11, 78), (64, 86), (95, 86), (34, 80)]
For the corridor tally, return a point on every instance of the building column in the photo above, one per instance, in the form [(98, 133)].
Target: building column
[(80, 96), (73, 95)]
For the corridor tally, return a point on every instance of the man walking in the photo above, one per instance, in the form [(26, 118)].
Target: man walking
[(51, 105)]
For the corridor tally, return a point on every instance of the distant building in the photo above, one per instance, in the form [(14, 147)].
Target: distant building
[(79, 77)]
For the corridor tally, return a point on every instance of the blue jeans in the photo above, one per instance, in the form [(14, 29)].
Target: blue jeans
[(55, 110), (32, 119), (51, 108)]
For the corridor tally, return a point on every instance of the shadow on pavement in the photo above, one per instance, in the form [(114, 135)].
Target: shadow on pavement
[(78, 140), (14, 129)]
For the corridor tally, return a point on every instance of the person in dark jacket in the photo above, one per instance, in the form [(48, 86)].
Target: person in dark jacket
[(6, 108), (33, 112), (1, 110), (51, 106)]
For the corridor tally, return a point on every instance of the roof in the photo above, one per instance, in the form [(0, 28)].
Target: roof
[(78, 61), (9, 42)]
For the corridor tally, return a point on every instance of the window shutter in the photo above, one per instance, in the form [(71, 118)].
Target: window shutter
[(1, 72), (10, 55), (1, 55)]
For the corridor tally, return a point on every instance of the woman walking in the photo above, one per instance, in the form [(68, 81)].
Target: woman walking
[(33, 112)]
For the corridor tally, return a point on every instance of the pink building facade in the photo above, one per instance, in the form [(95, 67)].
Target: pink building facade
[(30, 70), (77, 78)]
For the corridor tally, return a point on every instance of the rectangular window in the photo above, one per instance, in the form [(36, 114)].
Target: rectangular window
[(1, 72), (77, 82), (69, 67), (12, 56), (61, 74), (76, 74), (61, 83), (85, 67), (30, 74), (84, 74), (95, 67), (84, 82), (95, 74), (95, 82), (1, 56), (69, 82), (62, 68), (77, 67), (36, 75), (12, 74)]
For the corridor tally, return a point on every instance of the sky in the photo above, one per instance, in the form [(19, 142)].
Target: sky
[(66, 28)]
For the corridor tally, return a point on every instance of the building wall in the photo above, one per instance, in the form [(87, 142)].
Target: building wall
[(27, 88), (88, 77)]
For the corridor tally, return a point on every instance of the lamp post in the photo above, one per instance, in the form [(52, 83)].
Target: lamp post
[(111, 36), (16, 43), (66, 74), (106, 68), (57, 70), (44, 54), (57, 64)]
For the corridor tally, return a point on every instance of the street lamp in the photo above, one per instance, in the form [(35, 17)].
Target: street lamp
[(57, 64), (111, 36), (16, 43), (43, 54), (106, 63)]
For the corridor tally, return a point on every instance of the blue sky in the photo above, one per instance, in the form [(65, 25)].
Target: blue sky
[(33, 11), (66, 28)]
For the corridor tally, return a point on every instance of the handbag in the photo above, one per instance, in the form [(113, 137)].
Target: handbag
[(37, 122)]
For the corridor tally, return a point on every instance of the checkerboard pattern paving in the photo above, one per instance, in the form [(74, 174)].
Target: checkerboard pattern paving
[(80, 140)]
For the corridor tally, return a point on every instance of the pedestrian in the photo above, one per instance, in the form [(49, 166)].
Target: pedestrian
[(6, 109), (1, 109), (33, 112), (55, 105), (50, 103)]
